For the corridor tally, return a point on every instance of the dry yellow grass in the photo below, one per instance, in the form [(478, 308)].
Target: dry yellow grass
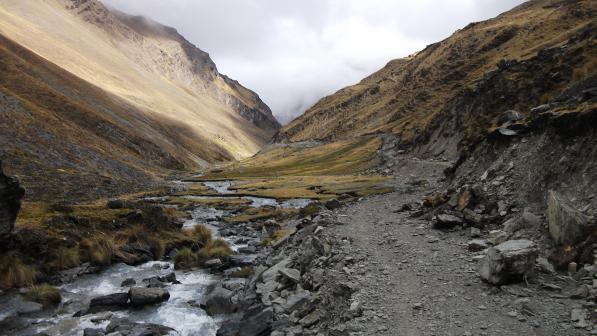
[(45, 294), (15, 273)]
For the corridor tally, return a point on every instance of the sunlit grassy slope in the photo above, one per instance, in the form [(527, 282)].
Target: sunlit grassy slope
[(316, 171), (153, 69)]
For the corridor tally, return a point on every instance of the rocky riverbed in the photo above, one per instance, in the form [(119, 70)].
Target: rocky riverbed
[(405, 263)]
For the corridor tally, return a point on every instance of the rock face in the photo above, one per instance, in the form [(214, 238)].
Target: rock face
[(567, 225), (509, 262), (11, 194)]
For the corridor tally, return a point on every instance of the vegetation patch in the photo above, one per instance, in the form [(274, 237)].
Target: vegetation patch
[(44, 294), (15, 273)]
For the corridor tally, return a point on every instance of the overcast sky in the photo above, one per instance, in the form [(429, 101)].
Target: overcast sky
[(292, 53)]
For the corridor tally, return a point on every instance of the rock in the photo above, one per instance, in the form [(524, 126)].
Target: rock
[(509, 117), (128, 282), (581, 292), (93, 332), (333, 204), (311, 318), (11, 194), (218, 301), (472, 217), (508, 262), (475, 232), (545, 266), (111, 300), (257, 323), (355, 309), (527, 220), (477, 245), (116, 204), (213, 263), (28, 307), (273, 271), (497, 237), (291, 274), (572, 268), (170, 277), (541, 109), (567, 225), (298, 302), (122, 326), (445, 221), (145, 296)]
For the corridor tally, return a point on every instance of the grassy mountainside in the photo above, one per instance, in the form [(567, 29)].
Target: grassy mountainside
[(451, 92), (95, 102), (148, 65), (67, 138)]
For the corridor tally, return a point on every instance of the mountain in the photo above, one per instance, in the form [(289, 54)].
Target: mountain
[(448, 95), (95, 101)]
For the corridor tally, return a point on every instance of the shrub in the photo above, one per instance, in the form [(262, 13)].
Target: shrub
[(14, 273), (157, 247), (98, 251), (185, 258), (44, 294), (309, 211), (217, 248), (202, 234), (64, 258)]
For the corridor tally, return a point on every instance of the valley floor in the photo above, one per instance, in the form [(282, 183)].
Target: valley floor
[(414, 280)]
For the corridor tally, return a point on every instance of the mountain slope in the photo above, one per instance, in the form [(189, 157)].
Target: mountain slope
[(149, 65), (98, 103), (450, 93)]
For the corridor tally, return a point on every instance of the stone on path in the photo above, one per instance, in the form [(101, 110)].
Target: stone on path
[(509, 262)]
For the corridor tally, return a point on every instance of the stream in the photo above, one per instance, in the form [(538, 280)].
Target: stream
[(181, 312)]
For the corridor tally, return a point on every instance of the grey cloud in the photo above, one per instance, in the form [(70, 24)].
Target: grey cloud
[(294, 52)]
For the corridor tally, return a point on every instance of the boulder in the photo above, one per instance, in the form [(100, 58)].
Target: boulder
[(145, 296), (509, 262), (116, 204), (567, 225), (509, 117), (128, 282), (11, 194), (291, 274), (219, 301), (111, 300), (122, 326), (445, 221), (477, 245), (333, 204)]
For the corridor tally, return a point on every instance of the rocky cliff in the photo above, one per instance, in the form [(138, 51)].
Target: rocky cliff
[(11, 194)]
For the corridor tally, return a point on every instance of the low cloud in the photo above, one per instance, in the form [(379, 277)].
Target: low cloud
[(294, 52)]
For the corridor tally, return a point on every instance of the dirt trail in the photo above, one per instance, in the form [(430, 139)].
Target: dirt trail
[(415, 280)]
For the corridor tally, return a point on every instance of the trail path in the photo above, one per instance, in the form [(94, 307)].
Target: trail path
[(418, 281)]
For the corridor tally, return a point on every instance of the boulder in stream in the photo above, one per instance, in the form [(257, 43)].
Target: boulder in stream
[(219, 301), (146, 296)]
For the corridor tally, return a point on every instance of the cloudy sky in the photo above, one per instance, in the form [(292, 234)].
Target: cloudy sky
[(294, 52)]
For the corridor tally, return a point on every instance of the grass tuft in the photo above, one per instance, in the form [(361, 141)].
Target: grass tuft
[(45, 294), (185, 258), (202, 234), (65, 258), (98, 251), (15, 273)]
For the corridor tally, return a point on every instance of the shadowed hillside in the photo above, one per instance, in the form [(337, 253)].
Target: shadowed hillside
[(451, 92)]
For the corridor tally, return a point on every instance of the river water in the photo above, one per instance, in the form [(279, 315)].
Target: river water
[(181, 312)]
